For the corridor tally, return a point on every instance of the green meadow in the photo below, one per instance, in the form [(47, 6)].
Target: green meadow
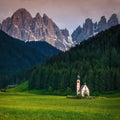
[(27, 106)]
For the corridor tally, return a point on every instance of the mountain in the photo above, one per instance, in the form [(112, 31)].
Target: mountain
[(89, 28), (97, 60), (23, 26), (17, 56), (102, 25)]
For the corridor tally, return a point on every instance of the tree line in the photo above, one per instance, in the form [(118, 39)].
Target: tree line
[(97, 60)]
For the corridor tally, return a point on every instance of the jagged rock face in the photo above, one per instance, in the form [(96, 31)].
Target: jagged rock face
[(18, 25), (83, 33), (102, 24), (65, 32), (113, 21), (51, 29), (22, 26), (89, 28), (6, 24), (76, 33), (95, 27), (36, 27), (0, 25)]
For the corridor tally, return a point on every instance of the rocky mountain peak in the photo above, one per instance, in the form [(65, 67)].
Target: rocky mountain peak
[(102, 24), (37, 19), (88, 21), (6, 24), (38, 16), (45, 19), (89, 28), (21, 16), (102, 20), (113, 20), (79, 28), (24, 27), (45, 16), (20, 25), (76, 33), (21, 10)]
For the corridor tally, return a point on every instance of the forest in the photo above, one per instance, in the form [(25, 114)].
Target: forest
[(96, 60)]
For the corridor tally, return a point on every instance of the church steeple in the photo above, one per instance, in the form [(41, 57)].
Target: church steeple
[(78, 85)]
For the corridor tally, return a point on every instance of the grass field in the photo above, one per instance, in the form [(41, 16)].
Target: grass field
[(25, 106)]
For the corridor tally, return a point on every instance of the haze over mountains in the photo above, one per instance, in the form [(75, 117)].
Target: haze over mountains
[(23, 26)]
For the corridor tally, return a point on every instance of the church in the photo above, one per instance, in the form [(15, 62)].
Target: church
[(83, 90)]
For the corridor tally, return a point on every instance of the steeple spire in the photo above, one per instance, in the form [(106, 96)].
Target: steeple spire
[(78, 85)]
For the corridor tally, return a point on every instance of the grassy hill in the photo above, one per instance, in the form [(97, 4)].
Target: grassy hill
[(23, 87)]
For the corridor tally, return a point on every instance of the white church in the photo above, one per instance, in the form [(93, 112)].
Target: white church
[(83, 90)]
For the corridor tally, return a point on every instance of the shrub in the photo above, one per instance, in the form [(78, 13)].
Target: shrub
[(79, 96), (68, 91), (96, 94)]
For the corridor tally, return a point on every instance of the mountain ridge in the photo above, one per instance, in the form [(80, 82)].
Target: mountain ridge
[(23, 26), (91, 28)]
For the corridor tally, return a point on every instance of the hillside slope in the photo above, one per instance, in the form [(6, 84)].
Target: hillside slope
[(97, 60), (17, 56), (43, 47)]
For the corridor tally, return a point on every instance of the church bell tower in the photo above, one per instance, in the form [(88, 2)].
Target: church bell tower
[(78, 85)]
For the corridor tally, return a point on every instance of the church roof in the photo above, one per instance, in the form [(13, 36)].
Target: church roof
[(82, 87)]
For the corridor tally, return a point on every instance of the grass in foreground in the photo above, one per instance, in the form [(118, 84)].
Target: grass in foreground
[(21, 106)]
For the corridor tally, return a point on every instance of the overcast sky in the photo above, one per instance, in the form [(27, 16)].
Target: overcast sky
[(65, 13)]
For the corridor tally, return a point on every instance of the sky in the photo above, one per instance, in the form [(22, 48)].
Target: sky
[(65, 13)]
